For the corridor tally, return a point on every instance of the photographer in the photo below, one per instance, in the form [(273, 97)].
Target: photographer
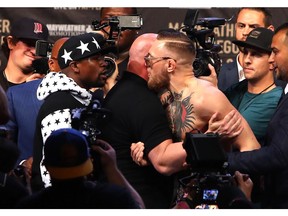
[(81, 59), (125, 38), (68, 160)]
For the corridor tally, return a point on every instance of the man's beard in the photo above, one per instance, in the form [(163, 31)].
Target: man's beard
[(281, 75), (157, 83), (97, 84)]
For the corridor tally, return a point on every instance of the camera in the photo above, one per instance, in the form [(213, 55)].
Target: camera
[(118, 24), (208, 169), (204, 38), (87, 120), (43, 50), (111, 65), (204, 152)]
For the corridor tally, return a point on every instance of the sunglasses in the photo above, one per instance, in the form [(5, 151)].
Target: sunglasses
[(149, 58)]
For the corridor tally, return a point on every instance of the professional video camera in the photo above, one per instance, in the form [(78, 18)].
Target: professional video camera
[(208, 166), (43, 48), (116, 24), (87, 120), (43, 51), (204, 38)]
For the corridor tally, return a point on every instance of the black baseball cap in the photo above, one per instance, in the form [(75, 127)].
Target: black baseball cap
[(66, 154), (28, 28), (259, 38), (81, 47)]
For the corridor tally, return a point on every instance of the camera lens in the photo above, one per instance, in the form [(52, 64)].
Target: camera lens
[(110, 68)]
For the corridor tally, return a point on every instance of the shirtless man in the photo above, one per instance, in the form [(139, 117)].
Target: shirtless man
[(169, 65)]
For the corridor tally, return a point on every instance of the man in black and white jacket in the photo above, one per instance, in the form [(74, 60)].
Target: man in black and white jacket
[(81, 59)]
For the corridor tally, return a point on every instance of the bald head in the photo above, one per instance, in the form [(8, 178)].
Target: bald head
[(53, 63), (138, 50)]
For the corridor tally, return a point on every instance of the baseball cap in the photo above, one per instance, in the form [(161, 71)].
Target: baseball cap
[(258, 38), (66, 154), (29, 29), (81, 47)]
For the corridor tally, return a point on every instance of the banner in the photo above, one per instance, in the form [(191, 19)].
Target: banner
[(66, 21)]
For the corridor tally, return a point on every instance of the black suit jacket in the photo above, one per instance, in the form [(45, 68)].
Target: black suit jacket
[(271, 160), (228, 75)]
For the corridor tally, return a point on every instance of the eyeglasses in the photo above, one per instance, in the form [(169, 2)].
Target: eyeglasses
[(149, 58)]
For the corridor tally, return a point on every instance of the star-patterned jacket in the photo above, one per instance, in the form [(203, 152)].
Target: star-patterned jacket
[(61, 95)]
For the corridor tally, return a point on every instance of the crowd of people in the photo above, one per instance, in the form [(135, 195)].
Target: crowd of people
[(133, 155)]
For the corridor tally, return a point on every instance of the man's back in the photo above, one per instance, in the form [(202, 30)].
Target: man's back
[(23, 114)]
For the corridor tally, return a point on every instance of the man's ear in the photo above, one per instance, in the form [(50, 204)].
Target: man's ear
[(10, 42), (271, 27), (74, 66), (171, 65)]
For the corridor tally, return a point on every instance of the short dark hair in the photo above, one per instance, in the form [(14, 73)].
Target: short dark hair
[(133, 10), (283, 27), (5, 48), (265, 11)]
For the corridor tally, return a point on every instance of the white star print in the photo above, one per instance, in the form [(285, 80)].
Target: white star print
[(66, 56), (83, 47), (96, 43)]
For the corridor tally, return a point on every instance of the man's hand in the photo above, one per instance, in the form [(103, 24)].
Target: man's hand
[(35, 76), (137, 154), (28, 166), (229, 127), (106, 153), (212, 77), (244, 183)]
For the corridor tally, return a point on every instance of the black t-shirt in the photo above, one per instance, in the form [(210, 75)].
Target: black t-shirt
[(5, 83), (137, 115)]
